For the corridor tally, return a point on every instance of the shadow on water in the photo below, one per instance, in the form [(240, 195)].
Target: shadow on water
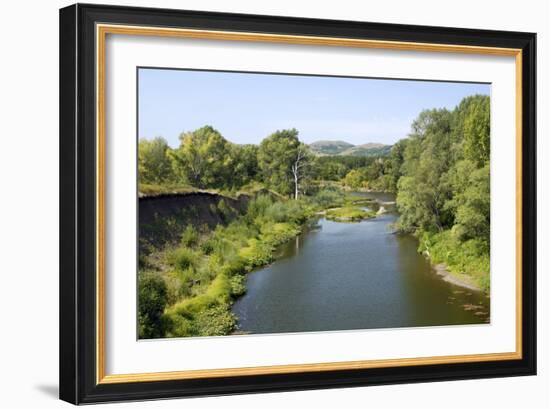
[(338, 276)]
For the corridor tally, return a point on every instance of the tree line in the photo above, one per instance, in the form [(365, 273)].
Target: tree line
[(206, 160), (443, 180), (440, 172)]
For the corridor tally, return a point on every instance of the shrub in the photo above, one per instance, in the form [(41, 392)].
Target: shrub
[(216, 320), (207, 246), (327, 198), (257, 253), (470, 257), (274, 234), (177, 325), (257, 207), (152, 299), (190, 236), (349, 214), (238, 285), (183, 258)]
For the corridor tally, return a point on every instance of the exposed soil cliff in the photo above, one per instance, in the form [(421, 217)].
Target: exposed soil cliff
[(162, 218)]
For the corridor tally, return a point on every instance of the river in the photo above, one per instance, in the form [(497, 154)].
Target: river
[(342, 276)]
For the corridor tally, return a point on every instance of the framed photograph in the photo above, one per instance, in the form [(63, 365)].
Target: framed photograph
[(256, 203)]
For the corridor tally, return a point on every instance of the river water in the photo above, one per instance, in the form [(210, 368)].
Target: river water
[(342, 276)]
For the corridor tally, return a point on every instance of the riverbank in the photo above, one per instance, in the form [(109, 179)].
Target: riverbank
[(193, 284), (459, 280), (464, 263)]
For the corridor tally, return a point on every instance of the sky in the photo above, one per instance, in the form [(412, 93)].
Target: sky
[(245, 107)]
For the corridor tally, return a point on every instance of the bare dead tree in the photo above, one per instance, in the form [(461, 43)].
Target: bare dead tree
[(298, 165)]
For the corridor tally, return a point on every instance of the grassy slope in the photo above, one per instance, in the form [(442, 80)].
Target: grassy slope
[(468, 261), (205, 272)]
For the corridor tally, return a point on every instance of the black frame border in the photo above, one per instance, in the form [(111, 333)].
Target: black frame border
[(78, 204)]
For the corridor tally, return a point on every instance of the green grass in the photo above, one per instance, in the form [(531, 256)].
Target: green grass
[(468, 260), (155, 190), (183, 258), (349, 214), (190, 236)]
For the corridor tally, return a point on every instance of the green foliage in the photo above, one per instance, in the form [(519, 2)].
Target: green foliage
[(245, 164), (468, 259), (258, 207), (256, 253), (421, 194), (474, 210), (190, 236), (206, 272), (149, 189), (393, 164), (275, 157), (349, 214), (327, 198), (443, 193), (207, 246), (215, 320), (355, 179), (293, 212), (377, 175), (331, 168), (183, 258), (238, 285), (476, 128), (153, 161), (153, 295), (203, 159), (285, 162), (337, 167), (442, 186)]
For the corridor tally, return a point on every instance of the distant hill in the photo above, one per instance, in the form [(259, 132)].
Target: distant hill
[(341, 148), (329, 147)]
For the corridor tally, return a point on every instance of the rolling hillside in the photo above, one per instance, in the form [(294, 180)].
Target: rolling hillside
[(341, 148)]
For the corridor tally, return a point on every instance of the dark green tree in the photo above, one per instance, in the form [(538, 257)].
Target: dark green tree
[(427, 157), (153, 295), (245, 163)]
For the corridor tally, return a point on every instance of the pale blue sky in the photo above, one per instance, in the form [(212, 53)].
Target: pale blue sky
[(246, 108)]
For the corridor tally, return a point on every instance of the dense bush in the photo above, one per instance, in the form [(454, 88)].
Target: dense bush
[(152, 295), (327, 198), (183, 258), (238, 285)]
